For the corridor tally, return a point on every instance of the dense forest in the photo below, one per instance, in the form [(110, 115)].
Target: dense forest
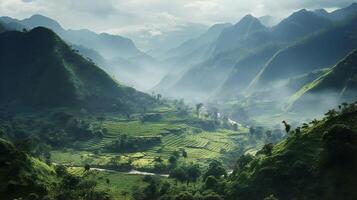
[(263, 109)]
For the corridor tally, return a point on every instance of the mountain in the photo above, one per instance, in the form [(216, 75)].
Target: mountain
[(187, 54), (231, 38), (317, 162), (11, 23), (315, 52), (337, 85), (108, 45), (244, 71), (156, 41), (51, 74), (117, 51), (246, 38), (341, 14), (269, 21), (21, 174), (2, 27), (200, 42), (299, 24)]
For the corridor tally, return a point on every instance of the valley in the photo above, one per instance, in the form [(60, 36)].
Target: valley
[(264, 108)]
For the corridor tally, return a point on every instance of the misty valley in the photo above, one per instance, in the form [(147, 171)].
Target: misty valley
[(262, 109)]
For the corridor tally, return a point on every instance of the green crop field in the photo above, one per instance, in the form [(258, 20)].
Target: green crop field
[(118, 183)]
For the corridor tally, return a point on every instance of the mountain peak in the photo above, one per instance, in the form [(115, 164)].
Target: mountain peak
[(40, 20), (247, 19)]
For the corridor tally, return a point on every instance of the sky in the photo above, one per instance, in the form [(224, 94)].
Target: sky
[(152, 18)]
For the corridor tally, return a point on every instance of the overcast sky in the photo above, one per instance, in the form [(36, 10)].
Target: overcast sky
[(155, 17)]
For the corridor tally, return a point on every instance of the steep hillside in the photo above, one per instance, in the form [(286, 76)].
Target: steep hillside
[(317, 162), (189, 53), (299, 24), (244, 71), (21, 174), (203, 40), (318, 51), (50, 74), (231, 38), (338, 84), (342, 13), (2, 28), (108, 45), (229, 51)]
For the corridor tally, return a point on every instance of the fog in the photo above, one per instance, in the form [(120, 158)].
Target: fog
[(237, 63)]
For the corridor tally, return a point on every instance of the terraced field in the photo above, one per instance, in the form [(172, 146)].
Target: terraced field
[(116, 183), (175, 135)]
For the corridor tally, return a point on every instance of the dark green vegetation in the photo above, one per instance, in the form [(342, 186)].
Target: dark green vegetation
[(116, 54), (39, 70), (23, 176), (316, 161), (70, 131)]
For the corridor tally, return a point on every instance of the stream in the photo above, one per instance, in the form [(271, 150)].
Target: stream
[(131, 172)]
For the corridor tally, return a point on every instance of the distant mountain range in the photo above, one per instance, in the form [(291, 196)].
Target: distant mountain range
[(336, 85), (116, 54), (39, 70), (249, 57)]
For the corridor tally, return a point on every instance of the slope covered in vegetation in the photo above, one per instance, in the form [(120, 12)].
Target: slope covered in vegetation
[(21, 174), (315, 162), (338, 84), (318, 51), (38, 69)]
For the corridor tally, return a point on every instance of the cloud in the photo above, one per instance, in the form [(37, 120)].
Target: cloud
[(154, 17)]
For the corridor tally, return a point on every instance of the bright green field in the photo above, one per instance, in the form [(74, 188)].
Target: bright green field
[(118, 182)]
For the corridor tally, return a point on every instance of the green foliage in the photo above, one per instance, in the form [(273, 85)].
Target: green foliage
[(215, 169), (62, 77)]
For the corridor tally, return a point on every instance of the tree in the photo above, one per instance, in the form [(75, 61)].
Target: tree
[(176, 153), (184, 196), (212, 196), (172, 160), (193, 172), (158, 97), (214, 114), (124, 194), (235, 126), (86, 167), (198, 109), (267, 149), (179, 174), (287, 126), (211, 182), (184, 153), (215, 169), (270, 197)]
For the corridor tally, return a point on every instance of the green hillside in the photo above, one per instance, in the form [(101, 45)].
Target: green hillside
[(317, 163), (39, 69), (339, 82), (23, 174), (315, 52), (245, 70)]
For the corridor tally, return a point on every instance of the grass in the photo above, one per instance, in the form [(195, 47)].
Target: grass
[(118, 182), (175, 133)]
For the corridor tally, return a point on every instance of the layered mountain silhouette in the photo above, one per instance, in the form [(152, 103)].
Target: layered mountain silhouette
[(117, 51), (38, 70), (253, 61), (247, 45), (321, 50), (336, 85)]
